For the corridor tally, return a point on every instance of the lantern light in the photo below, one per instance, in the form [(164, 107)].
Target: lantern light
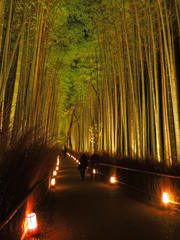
[(54, 173), (53, 182), (58, 160), (112, 180), (57, 168), (94, 171), (30, 225), (165, 197)]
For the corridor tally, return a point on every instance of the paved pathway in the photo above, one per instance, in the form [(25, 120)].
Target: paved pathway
[(88, 210)]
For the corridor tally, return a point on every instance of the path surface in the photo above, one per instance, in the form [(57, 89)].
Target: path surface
[(87, 210)]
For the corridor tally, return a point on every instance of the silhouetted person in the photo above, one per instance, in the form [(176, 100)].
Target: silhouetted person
[(83, 165)]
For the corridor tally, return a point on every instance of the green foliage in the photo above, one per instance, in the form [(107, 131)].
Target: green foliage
[(72, 43)]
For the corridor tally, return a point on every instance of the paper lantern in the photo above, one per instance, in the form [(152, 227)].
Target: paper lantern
[(112, 180), (31, 225), (165, 198), (53, 182)]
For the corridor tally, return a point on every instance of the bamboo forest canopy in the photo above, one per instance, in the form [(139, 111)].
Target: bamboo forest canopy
[(94, 75)]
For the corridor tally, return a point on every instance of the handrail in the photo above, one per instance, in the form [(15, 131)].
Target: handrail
[(16, 209), (137, 170), (140, 171)]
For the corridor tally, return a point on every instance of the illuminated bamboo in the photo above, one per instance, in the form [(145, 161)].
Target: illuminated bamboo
[(133, 117), (16, 85), (1, 21), (172, 78), (167, 145), (3, 76), (144, 135), (177, 7), (34, 91)]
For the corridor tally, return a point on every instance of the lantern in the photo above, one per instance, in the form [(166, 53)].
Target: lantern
[(57, 168), (165, 198), (54, 173), (57, 162), (112, 180), (53, 182), (31, 226), (94, 171)]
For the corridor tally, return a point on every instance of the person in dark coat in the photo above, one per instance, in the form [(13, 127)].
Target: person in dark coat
[(83, 165)]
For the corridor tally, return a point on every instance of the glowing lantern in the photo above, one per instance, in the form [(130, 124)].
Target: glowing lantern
[(112, 180), (53, 182), (57, 168), (94, 171), (57, 160), (54, 173), (165, 197), (31, 225)]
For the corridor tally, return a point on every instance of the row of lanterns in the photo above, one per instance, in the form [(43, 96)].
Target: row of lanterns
[(31, 223), (166, 199), (54, 174), (74, 158)]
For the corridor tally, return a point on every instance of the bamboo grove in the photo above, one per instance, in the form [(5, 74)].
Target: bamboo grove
[(28, 87), (95, 75), (131, 107)]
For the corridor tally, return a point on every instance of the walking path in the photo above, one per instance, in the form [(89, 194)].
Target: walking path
[(89, 210)]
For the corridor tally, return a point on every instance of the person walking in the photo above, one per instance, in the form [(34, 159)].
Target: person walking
[(83, 165)]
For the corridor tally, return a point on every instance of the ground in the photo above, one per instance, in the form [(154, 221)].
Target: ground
[(95, 210)]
